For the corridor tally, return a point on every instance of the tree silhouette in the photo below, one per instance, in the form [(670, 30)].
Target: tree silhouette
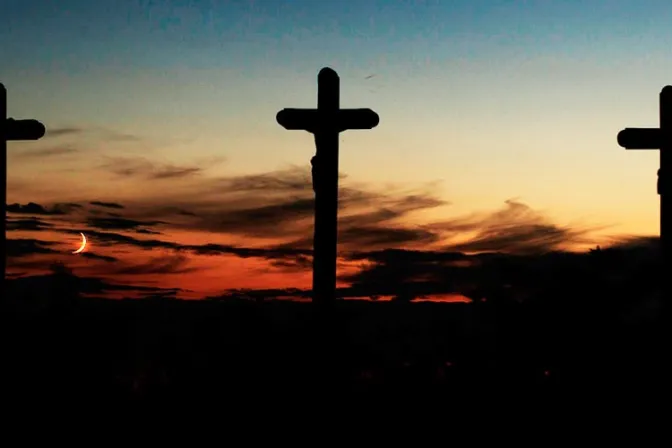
[(64, 285), (59, 268)]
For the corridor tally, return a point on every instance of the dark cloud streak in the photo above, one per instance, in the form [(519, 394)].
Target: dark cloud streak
[(44, 152), (41, 285), (28, 224), (516, 228), (144, 168), (107, 204), (94, 256), (113, 239), (64, 131), (177, 264), (20, 247), (32, 208), (115, 223)]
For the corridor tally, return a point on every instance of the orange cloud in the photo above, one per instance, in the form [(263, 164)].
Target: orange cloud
[(199, 235)]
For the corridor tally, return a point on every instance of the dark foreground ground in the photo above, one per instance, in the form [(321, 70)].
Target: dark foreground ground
[(164, 351)]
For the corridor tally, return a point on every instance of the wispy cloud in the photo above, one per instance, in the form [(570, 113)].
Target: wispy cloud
[(43, 153), (120, 224), (33, 224), (41, 285), (514, 228), (53, 132), (98, 132), (115, 136), (26, 246), (141, 167), (32, 208), (180, 216), (107, 204)]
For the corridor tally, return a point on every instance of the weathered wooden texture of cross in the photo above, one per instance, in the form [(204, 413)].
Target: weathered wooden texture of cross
[(661, 139), (326, 122), (11, 130)]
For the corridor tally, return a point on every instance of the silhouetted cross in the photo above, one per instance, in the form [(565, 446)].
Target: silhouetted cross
[(11, 130), (661, 139), (326, 122)]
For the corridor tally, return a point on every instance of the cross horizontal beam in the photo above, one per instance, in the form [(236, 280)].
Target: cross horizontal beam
[(23, 130), (641, 138), (314, 120)]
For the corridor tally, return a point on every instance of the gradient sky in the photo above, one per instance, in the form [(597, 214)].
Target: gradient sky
[(172, 104)]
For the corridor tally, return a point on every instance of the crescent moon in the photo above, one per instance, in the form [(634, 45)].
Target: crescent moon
[(83, 246)]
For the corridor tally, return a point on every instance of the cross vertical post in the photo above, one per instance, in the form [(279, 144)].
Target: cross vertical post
[(661, 139), (326, 208), (325, 123), (665, 175), (11, 130), (3, 182)]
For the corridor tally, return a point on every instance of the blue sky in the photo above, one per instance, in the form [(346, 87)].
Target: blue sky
[(493, 99)]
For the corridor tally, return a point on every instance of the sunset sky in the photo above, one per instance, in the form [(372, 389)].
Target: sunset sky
[(498, 124)]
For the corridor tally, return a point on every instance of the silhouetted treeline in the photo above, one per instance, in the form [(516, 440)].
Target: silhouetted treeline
[(161, 349)]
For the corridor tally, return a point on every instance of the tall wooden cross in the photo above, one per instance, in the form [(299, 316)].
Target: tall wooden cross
[(326, 122), (11, 130), (659, 138)]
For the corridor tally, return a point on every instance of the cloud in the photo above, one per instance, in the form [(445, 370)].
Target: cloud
[(114, 239), (403, 273), (144, 168), (170, 172), (409, 256), (294, 293), (294, 263), (22, 247), (93, 256), (247, 252), (32, 224), (115, 136), (293, 179), (563, 274), (177, 264), (107, 204), (100, 132), (263, 220), (97, 212), (147, 232), (63, 131), (516, 228), (385, 249), (415, 272), (41, 153), (280, 204), (115, 223), (32, 208), (43, 286)]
